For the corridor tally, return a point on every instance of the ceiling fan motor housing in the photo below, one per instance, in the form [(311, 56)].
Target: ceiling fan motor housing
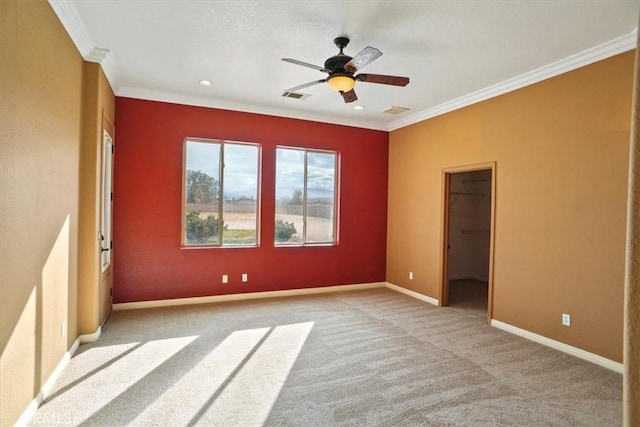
[(336, 64)]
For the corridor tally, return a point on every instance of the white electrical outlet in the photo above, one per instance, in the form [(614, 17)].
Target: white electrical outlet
[(225, 278), (566, 319), (411, 275), (245, 277)]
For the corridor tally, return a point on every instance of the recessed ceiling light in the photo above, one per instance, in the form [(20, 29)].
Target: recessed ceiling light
[(358, 107), (205, 83)]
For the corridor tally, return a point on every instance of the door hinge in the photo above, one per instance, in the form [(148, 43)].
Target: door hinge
[(112, 196), (113, 149), (110, 292), (111, 244)]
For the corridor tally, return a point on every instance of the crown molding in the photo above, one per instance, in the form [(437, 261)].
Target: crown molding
[(71, 21), (580, 59), (110, 68), (154, 95), (97, 54)]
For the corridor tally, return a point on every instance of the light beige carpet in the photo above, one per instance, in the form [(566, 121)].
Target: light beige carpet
[(365, 358)]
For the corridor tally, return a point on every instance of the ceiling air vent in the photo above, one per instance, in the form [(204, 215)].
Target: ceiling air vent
[(295, 95), (395, 110)]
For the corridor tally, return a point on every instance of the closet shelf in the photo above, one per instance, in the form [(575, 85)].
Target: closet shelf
[(457, 195), (465, 181), (462, 193)]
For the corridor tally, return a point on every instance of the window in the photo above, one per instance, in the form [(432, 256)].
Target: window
[(306, 182), (220, 193)]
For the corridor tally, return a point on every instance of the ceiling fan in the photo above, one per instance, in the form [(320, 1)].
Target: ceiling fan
[(342, 68)]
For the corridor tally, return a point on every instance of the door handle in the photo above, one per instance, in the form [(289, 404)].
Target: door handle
[(103, 249)]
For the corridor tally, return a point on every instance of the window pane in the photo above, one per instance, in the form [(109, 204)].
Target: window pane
[(202, 193), (289, 227), (240, 194), (321, 168)]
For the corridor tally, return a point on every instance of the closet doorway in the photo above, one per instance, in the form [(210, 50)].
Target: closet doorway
[(468, 237)]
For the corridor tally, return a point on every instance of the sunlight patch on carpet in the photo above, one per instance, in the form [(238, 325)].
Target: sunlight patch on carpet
[(109, 383), (249, 396), (201, 382)]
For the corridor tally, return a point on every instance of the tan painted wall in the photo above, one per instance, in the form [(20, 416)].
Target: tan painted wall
[(40, 89), (562, 150), (631, 383), (98, 100)]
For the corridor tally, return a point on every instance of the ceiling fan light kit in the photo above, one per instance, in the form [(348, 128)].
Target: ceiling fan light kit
[(341, 82), (342, 68)]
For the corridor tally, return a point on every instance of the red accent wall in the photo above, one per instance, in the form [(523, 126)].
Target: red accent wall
[(149, 262)]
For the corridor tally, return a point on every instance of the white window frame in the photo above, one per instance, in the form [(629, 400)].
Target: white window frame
[(336, 198), (220, 178)]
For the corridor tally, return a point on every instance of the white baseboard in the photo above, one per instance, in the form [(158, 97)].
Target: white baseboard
[(557, 345), (87, 338), (245, 296), (45, 390), (270, 294), (413, 294)]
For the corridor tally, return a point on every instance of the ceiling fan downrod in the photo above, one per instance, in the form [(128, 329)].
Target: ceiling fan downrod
[(341, 42)]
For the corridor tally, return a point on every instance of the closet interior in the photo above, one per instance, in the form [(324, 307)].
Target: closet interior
[(469, 234)]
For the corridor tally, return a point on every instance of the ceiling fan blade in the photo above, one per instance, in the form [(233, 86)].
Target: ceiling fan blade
[(305, 64), (365, 56), (315, 82), (382, 79), (349, 96)]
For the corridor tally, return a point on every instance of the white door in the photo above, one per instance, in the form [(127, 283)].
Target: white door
[(106, 239)]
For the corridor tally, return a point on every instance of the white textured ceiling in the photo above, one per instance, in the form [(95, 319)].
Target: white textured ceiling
[(454, 52)]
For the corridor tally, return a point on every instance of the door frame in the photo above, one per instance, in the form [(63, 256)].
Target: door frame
[(444, 231), (105, 276)]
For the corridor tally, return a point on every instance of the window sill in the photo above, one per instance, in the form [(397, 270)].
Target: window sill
[(305, 245), (220, 247)]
